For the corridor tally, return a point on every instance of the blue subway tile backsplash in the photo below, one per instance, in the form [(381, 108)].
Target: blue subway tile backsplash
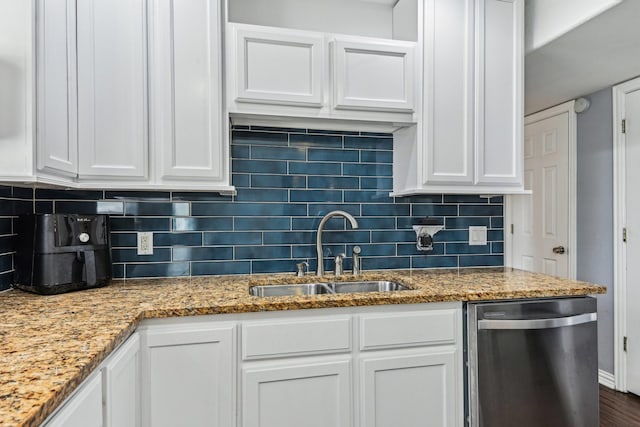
[(287, 179)]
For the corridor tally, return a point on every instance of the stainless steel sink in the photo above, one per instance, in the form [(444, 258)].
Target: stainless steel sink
[(325, 288), (373, 286), (287, 290)]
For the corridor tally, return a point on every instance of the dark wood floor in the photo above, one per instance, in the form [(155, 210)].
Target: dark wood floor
[(618, 409)]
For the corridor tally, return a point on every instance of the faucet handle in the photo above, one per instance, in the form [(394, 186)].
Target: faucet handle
[(356, 260), (302, 268), (339, 262)]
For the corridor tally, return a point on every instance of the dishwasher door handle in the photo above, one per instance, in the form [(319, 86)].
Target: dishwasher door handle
[(558, 322)]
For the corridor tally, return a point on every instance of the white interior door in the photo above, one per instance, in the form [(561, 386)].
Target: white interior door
[(632, 224), (540, 221)]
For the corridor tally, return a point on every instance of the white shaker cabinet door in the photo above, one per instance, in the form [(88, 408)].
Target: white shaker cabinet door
[(373, 75), (448, 92), (121, 375), (112, 95), (57, 146), (189, 378), (186, 98), (278, 66), (410, 390), (83, 409), (499, 118), (313, 393)]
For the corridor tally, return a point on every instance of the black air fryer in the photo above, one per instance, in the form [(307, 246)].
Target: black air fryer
[(59, 253)]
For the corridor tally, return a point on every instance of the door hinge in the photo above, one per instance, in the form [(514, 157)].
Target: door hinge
[(624, 125), (624, 234), (511, 228), (624, 343)]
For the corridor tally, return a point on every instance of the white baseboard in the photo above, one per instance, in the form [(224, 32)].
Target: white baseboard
[(606, 379)]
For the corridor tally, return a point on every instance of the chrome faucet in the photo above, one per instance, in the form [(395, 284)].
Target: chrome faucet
[(323, 221)]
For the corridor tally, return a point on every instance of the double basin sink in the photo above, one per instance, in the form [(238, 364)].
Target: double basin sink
[(325, 288)]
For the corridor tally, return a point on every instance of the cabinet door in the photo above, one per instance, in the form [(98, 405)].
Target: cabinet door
[(56, 73), (411, 390), (189, 379), (375, 76), (448, 92), (315, 393), (83, 409), (277, 66), (499, 107), (121, 375), (186, 100), (112, 95)]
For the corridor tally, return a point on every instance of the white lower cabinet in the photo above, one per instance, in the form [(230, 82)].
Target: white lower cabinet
[(109, 397), (121, 391), (398, 366), (306, 392), (409, 390), (189, 374), (83, 408), (381, 366)]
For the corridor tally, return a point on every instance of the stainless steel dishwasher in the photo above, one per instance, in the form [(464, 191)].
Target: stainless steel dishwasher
[(533, 363)]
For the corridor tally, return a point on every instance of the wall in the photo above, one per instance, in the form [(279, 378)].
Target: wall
[(287, 179), (13, 201), (595, 212)]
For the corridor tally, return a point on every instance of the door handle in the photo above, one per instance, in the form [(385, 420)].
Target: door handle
[(559, 322), (558, 250)]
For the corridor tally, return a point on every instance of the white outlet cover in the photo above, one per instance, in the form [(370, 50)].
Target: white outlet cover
[(145, 243), (477, 235)]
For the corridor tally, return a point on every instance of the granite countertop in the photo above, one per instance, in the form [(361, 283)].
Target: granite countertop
[(50, 344)]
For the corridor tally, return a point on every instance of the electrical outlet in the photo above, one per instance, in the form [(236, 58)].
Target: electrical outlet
[(477, 235), (145, 243)]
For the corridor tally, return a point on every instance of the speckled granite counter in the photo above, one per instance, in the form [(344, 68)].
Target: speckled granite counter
[(50, 344)]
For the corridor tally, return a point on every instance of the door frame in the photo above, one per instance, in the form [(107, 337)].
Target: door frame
[(569, 108), (619, 93)]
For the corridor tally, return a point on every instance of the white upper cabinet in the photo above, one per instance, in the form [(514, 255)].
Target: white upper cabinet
[(126, 94), (448, 92), (187, 125), (470, 137), (500, 98), (330, 60), (57, 148), (373, 76), (112, 88), (276, 66)]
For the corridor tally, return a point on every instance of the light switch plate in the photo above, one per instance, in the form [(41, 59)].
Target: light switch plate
[(477, 235)]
